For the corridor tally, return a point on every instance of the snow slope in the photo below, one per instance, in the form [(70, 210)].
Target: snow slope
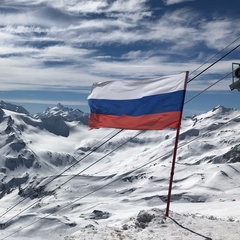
[(118, 190)]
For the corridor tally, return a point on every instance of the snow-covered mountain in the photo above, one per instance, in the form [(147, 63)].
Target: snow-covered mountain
[(66, 113), (58, 180), (13, 107)]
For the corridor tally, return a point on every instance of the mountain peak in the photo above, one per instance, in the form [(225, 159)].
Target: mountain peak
[(13, 107), (221, 109), (60, 106), (66, 113)]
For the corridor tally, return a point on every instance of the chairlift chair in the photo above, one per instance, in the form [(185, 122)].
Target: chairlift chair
[(235, 77)]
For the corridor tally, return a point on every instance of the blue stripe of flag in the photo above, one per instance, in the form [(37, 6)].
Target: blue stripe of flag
[(167, 102)]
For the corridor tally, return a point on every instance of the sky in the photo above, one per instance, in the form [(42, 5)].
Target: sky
[(52, 51)]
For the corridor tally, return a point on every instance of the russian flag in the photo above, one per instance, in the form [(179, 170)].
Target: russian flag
[(138, 104)]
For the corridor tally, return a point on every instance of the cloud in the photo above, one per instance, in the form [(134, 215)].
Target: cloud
[(43, 16), (82, 6), (170, 2), (49, 102), (69, 43), (128, 6), (216, 32)]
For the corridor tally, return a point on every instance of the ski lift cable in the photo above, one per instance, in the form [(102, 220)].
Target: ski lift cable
[(207, 88), (215, 55), (114, 150), (57, 175), (218, 60), (121, 145)]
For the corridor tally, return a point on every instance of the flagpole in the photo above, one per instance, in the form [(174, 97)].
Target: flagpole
[(175, 150)]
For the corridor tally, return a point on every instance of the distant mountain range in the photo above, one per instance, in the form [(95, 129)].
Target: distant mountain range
[(67, 114)]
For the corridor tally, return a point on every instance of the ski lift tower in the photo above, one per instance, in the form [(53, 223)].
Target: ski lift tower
[(235, 77)]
